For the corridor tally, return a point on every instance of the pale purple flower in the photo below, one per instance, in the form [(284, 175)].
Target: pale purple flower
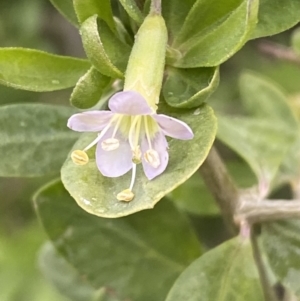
[(131, 132)]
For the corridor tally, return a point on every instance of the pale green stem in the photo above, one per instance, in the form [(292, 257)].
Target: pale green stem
[(156, 6), (267, 210), (268, 291), (220, 184)]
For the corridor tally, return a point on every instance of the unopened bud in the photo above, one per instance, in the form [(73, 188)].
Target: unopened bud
[(152, 157), (110, 144), (79, 157), (126, 195), (145, 68)]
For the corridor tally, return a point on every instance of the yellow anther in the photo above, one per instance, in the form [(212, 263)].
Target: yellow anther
[(110, 144), (126, 195), (79, 157), (152, 157)]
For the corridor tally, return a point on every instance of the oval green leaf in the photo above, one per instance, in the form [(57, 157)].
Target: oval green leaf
[(35, 70), (224, 28), (261, 144), (97, 194), (34, 139), (64, 277), (189, 88), (105, 51), (281, 243), (87, 8), (275, 16), (264, 99), (133, 10), (226, 273), (130, 255), (65, 7), (175, 13), (89, 89), (271, 129)]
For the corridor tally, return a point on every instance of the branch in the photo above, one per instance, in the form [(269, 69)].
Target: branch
[(219, 182), (156, 6), (279, 52), (269, 293), (267, 210)]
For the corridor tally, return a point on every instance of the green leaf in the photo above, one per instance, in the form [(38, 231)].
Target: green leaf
[(130, 255), (39, 71), (64, 277), (188, 88), (271, 130), (281, 243), (295, 40), (132, 10), (65, 7), (275, 16), (226, 273), (87, 8), (97, 194), (19, 278), (260, 143), (106, 52), (224, 28), (34, 139), (289, 170), (89, 89), (264, 99), (123, 33), (175, 13)]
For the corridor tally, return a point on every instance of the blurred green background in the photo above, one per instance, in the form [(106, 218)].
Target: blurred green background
[(36, 24)]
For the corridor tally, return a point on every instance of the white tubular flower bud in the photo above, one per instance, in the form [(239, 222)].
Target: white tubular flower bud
[(152, 157), (145, 68), (110, 144)]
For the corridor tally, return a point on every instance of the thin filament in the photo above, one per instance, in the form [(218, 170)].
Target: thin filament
[(98, 138), (147, 132), (132, 131), (132, 176), (117, 126)]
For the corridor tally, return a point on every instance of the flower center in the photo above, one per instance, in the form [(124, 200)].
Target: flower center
[(134, 128)]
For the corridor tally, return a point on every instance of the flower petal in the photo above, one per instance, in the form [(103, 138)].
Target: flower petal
[(114, 163), (91, 121), (173, 127), (160, 144), (129, 103)]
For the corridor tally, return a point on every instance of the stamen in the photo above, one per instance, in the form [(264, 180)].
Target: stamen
[(101, 134), (79, 157), (152, 157), (127, 195), (97, 139), (110, 144)]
